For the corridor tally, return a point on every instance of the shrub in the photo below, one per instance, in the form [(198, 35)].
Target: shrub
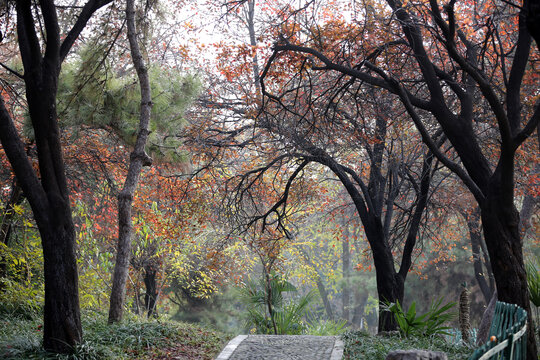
[(430, 323), (285, 317)]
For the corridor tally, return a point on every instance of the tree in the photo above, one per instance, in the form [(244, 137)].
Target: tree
[(137, 160), (47, 190), (446, 81), (301, 129)]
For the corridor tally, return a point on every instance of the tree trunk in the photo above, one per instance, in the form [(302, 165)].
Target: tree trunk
[(361, 299), (475, 233), (346, 267), (389, 288), (320, 285), (324, 296), (62, 324), (501, 231), (42, 56), (150, 297), (138, 159)]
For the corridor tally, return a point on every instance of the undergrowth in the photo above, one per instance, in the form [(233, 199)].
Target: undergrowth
[(134, 338), (361, 345)]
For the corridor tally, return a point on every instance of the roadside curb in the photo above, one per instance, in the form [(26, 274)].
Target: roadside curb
[(231, 346)]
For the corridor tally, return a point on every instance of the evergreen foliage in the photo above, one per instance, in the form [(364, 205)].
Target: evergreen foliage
[(92, 94)]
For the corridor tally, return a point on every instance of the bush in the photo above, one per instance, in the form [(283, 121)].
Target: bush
[(132, 339), (18, 299), (430, 323), (286, 317), (361, 345), (327, 328)]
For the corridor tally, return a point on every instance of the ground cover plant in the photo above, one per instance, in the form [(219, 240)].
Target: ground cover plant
[(134, 338), (361, 345)]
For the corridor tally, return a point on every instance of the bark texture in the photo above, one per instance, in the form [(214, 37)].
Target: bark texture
[(48, 193), (138, 159)]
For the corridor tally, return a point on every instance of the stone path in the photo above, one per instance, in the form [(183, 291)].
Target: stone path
[(283, 347)]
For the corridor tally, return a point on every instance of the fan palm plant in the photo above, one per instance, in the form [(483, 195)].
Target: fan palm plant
[(267, 310)]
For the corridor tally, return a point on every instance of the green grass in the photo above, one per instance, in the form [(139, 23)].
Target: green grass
[(132, 339), (360, 345)]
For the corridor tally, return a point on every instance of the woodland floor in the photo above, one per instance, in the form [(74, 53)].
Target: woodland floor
[(20, 338)]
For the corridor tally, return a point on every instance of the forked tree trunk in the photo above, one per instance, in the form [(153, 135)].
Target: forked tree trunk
[(42, 56), (138, 159)]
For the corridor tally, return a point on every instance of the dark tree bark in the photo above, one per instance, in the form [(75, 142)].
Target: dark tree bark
[(533, 20), (48, 194), (138, 159), (151, 295)]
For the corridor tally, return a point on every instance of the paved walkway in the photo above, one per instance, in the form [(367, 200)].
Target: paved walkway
[(283, 347)]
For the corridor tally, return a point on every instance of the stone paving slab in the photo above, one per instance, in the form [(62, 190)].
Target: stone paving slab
[(283, 347)]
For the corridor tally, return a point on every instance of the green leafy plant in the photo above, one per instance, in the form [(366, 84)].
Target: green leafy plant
[(134, 338), (430, 323), (267, 310), (362, 345), (327, 327), (533, 281)]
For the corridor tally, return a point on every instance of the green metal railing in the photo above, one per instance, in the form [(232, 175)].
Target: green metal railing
[(507, 335)]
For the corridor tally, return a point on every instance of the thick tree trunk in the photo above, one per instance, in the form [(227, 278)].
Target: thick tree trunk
[(501, 231), (138, 159), (48, 194), (389, 288), (533, 20), (62, 324)]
